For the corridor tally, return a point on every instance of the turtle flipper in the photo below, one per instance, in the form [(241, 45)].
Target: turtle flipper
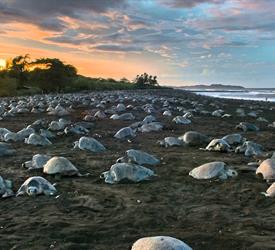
[(8, 193)]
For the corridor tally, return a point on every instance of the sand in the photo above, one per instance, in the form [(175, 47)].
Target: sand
[(89, 214)]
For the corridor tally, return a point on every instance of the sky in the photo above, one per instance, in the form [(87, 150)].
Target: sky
[(183, 42)]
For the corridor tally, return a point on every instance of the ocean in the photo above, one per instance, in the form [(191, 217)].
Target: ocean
[(248, 94)]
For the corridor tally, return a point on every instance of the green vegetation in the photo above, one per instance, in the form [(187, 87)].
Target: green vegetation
[(47, 75)]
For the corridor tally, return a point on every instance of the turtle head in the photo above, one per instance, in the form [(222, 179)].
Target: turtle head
[(32, 191), (231, 173), (108, 177)]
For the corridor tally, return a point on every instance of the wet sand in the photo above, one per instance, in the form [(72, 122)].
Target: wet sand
[(89, 214)]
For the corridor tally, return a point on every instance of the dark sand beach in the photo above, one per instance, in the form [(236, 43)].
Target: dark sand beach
[(90, 214)]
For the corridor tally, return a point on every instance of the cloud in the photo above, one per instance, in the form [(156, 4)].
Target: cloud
[(116, 48), (46, 14), (188, 3)]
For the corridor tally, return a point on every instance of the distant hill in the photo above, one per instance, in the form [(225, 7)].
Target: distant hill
[(214, 87)]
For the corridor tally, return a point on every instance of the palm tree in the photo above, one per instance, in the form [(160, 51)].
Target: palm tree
[(17, 68)]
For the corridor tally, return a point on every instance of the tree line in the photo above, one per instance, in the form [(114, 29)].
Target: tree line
[(52, 75)]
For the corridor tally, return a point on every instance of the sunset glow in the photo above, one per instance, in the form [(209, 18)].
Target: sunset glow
[(2, 64), (183, 42)]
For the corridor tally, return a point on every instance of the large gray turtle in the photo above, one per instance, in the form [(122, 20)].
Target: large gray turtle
[(76, 129), (250, 148), (11, 137), (193, 138), (218, 113), (25, 133), (120, 107), (246, 126), (149, 119), (46, 133), (181, 120), (37, 162), (167, 113), (60, 166), (125, 133), (171, 142), (3, 132), (267, 169), (6, 149), (58, 125), (5, 188), (100, 114), (152, 126), (123, 117), (37, 140), (160, 243), (212, 170), (90, 144), (139, 157), (233, 139), (36, 185), (219, 145), (120, 172)]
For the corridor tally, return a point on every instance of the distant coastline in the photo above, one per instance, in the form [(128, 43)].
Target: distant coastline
[(221, 88), (215, 87)]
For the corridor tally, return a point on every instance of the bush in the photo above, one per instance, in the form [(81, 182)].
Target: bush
[(8, 86), (86, 83)]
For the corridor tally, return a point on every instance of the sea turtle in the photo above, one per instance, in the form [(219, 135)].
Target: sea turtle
[(120, 107), (270, 192), (36, 185), (76, 129), (188, 114), (60, 166), (6, 149), (240, 112), (37, 162), (272, 125), (59, 111), (59, 125), (126, 172), (37, 140), (5, 188), (46, 133), (219, 145), (25, 133), (139, 157), (171, 142), (149, 119), (252, 114), (267, 169), (167, 113), (218, 113), (245, 126), (39, 124), (160, 243), (250, 148), (233, 139), (181, 120), (152, 126), (193, 138), (3, 132), (211, 170), (56, 126), (126, 132), (100, 114), (90, 144), (11, 137), (262, 119), (123, 117)]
